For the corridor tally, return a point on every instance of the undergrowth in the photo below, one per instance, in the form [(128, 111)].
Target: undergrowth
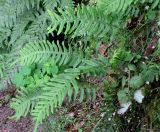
[(51, 49)]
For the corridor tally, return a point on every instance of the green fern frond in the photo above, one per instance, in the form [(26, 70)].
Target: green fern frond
[(92, 66), (115, 59), (8, 74), (39, 52), (19, 28), (4, 34), (10, 9), (7, 71), (31, 28), (54, 93), (24, 102), (81, 21), (51, 4), (114, 6), (38, 28)]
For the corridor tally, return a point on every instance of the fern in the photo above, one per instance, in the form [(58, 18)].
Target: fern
[(43, 100), (155, 3), (4, 34), (82, 21), (115, 59), (24, 102), (36, 30), (135, 9), (20, 23), (10, 9), (51, 4), (25, 40), (7, 71), (116, 6), (127, 8), (39, 52), (53, 97)]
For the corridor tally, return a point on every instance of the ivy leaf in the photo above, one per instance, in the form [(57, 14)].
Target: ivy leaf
[(50, 68), (136, 82), (18, 80), (36, 77), (39, 82), (54, 70), (29, 80), (123, 95), (131, 67), (26, 70), (46, 78), (151, 15), (128, 56)]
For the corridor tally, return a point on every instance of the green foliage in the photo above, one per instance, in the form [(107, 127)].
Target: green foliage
[(52, 89), (39, 52), (123, 95), (151, 72), (80, 22), (10, 9), (49, 48), (136, 82), (115, 6), (54, 79)]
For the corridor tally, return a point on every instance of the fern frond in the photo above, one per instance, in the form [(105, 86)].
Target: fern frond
[(92, 67), (88, 67), (8, 74), (54, 93), (20, 26), (31, 28), (38, 28), (51, 4), (7, 71), (39, 52), (115, 59), (4, 34), (114, 6), (81, 21), (10, 9), (25, 102)]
